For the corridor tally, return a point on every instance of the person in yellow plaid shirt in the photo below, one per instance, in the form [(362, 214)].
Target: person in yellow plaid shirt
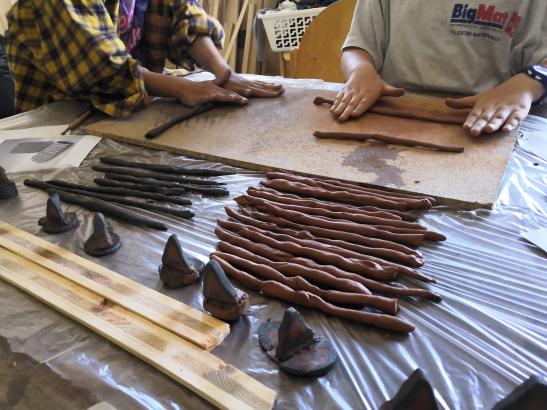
[(88, 50)]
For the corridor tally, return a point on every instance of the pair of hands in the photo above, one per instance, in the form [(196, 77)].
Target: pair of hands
[(502, 107), (228, 88)]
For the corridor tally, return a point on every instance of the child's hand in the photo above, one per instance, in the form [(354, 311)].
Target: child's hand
[(248, 88), (192, 93), (504, 106), (360, 93)]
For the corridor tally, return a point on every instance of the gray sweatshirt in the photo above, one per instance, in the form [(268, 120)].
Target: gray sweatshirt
[(449, 46)]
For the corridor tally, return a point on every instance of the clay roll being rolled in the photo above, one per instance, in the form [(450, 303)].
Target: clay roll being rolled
[(388, 139)]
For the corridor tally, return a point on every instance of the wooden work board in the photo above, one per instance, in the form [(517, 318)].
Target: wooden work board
[(276, 134)]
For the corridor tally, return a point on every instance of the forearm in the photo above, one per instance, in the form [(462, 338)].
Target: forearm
[(357, 62), (204, 52), (160, 85)]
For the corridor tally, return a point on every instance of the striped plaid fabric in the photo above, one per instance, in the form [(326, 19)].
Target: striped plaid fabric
[(69, 49)]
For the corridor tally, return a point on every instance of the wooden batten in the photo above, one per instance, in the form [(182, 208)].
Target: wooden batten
[(187, 322), (219, 383)]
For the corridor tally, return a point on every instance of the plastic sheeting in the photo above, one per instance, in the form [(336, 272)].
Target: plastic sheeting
[(486, 337)]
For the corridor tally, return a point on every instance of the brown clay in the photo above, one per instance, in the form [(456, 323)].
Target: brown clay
[(172, 187), (266, 272), (376, 254), (343, 252), (161, 176), (170, 169), (8, 189), (334, 234), (388, 139), (360, 266), (530, 395), (336, 196), (280, 256), (346, 226), (246, 200), (220, 298), (349, 185), (295, 346), (414, 108), (306, 299), (57, 221), (118, 191), (98, 205), (316, 276), (103, 241), (284, 198), (175, 270), (414, 394), (414, 261), (410, 202)]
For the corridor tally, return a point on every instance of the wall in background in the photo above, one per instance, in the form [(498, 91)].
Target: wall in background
[(4, 7)]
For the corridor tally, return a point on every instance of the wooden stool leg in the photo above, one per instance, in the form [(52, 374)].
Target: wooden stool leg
[(281, 64)]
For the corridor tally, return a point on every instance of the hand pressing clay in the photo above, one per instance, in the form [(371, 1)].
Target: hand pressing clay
[(103, 241), (221, 299), (414, 394), (56, 221), (530, 395), (176, 270), (7, 186), (296, 347)]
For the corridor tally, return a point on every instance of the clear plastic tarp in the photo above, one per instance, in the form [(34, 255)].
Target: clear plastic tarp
[(486, 337)]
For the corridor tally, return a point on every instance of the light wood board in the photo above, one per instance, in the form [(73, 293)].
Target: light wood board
[(206, 375), (270, 134), (183, 320)]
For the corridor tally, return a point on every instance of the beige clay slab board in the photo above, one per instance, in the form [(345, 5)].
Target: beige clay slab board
[(272, 134)]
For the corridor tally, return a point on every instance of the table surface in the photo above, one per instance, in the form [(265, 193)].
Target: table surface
[(486, 337)]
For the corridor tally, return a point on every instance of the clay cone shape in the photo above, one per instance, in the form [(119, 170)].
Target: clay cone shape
[(56, 221), (7, 187), (103, 241), (173, 256), (294, 334), (296, 347), (221, 299), (530, 395), (176, 270), (414, 394)]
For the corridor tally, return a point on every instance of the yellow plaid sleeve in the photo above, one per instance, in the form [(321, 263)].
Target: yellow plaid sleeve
[(171, 28), (65, 49)]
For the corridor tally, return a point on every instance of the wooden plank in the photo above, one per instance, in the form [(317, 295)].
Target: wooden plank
[(276, 133), (183, 320), (206, 375), (247, 55), (235, 34)]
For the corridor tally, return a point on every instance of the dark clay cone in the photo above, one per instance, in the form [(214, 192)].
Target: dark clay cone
[(296, 347), (293, 335), (221, 299), (103, 241), (7, 186), (176, 270), (56, 221), (530, 395), (414, 394)]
